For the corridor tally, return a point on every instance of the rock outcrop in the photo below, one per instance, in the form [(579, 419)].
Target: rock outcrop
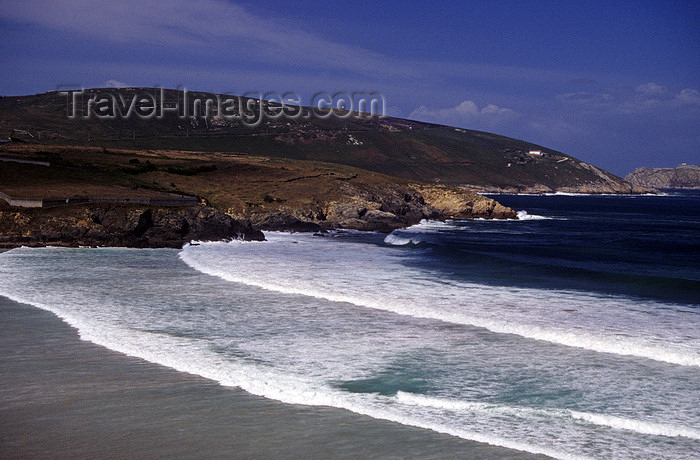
[(452, 202), (382, 209), (372, 208), (682, 177), (119, 225)]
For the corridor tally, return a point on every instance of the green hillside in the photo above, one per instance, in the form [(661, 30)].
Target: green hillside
[(401, 148)]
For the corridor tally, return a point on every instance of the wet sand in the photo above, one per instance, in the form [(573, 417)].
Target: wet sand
[(61, 397)]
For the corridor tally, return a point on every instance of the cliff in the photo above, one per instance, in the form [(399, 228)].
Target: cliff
[(682, 177)]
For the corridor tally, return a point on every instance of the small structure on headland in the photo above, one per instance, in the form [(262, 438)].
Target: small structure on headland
[(20, 135), (536, 152)]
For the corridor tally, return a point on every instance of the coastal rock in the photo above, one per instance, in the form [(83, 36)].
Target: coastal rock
[(455, 202), (355, 208), (119, 225), (681, 177), (598, 189), (589, 180), (380, 208), (375, 208)]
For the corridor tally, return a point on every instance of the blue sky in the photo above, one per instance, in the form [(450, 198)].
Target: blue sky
[(616, 84)]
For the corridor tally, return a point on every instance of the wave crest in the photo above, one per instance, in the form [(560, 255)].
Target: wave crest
[(611, 421), (381, 282)]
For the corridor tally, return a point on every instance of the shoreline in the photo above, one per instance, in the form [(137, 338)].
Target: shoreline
[(249, 231), (64, 397), (143, 226)]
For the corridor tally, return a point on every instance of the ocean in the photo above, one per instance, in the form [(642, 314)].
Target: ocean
[(572, 332)]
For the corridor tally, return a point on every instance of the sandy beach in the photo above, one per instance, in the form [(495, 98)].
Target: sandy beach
[(61, 397)]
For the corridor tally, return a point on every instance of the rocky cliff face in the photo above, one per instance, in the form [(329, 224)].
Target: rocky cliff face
[(119, 225), (681, 177)]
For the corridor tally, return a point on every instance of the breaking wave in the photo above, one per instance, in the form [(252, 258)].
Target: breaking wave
[(619, 423), (374, 277)]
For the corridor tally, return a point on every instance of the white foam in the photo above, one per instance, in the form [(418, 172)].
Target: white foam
[(191, 357), (396, 240), (639, 426), (414, 234), (612, 421), (107, 300), (432, 226), (523, 215), (379, 281)]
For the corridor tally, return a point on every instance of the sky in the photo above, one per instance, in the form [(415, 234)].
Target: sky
[(616, 84)]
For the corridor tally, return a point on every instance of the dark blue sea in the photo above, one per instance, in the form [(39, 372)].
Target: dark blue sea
[(573, 331), (646, 246)]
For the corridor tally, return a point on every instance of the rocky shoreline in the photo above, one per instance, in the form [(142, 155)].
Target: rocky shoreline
[(102, 224), (383, 209), (143, 226)]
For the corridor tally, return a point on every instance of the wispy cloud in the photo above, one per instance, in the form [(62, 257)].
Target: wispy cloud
[(647, 98), (220, 28), (651, 89), (213, 27), (689, 96)]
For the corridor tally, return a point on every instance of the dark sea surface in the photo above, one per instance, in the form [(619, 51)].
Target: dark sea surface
[(646, 246), (573, 331)]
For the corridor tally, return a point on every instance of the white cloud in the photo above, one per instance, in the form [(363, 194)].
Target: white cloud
[(115, 84), (466, 113), (497, 111)]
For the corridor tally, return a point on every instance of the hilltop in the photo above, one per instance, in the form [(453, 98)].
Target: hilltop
[(404, 149)]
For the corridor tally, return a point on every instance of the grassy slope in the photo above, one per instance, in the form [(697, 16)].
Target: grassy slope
[(236, 183), (401, 148)]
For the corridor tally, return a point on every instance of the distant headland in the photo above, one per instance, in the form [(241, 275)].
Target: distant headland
[(682, 177)]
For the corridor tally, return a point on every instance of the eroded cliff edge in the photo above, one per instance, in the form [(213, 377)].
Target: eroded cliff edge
[(123, 225)]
